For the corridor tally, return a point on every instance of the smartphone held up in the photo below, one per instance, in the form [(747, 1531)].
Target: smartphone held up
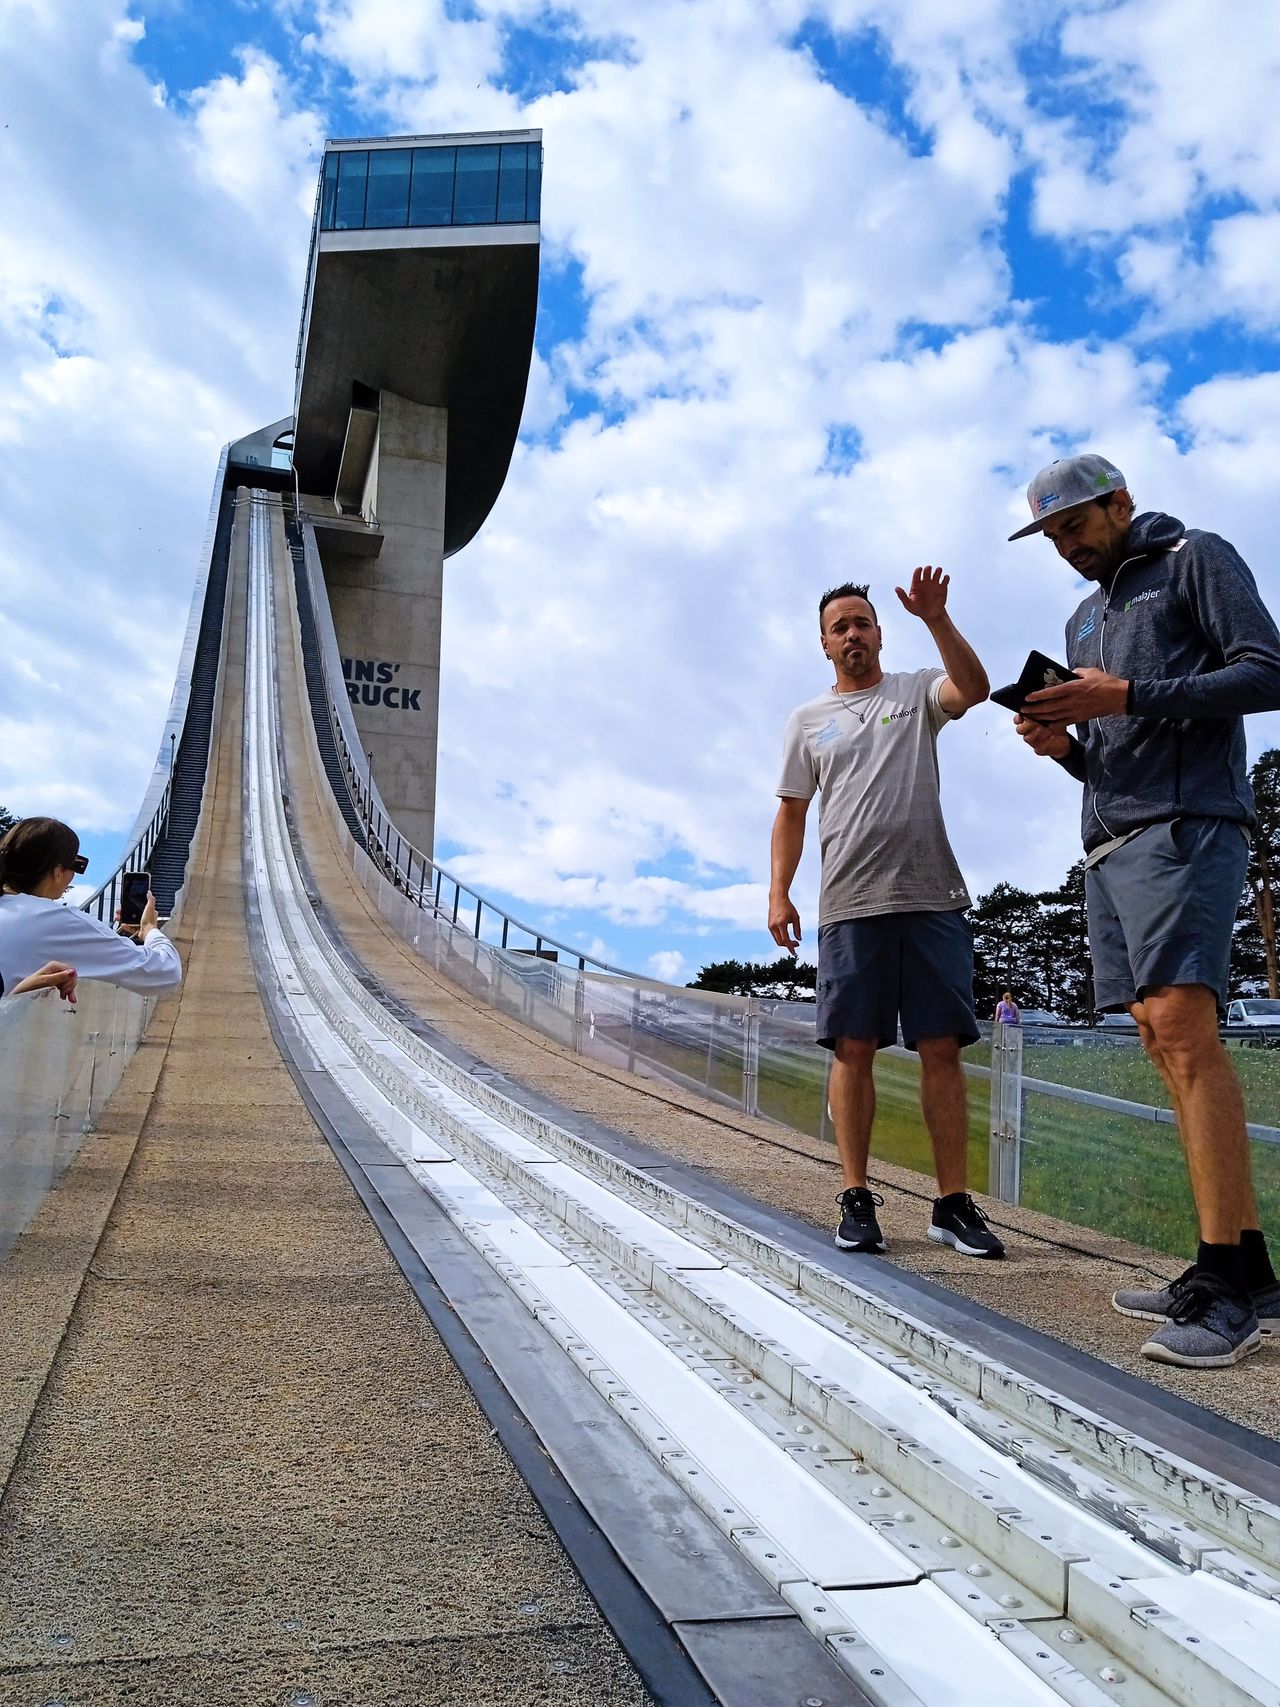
[(135, 886)]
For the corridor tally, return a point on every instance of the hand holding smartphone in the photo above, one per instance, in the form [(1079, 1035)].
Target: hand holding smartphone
[(135, 892), (1038, 672)]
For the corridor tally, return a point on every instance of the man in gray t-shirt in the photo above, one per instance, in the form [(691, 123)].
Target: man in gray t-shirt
[(894, 947)]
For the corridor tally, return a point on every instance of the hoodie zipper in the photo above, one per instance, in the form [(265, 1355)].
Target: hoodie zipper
[(1102, 661)]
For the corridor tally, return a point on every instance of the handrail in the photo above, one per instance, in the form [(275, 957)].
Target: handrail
[(386, 846), (135, 860), (147, 834)]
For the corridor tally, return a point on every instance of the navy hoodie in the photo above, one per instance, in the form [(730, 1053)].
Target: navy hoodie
[(1181, 621)]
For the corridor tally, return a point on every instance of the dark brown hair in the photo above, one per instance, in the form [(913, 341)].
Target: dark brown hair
[(846, 590), (31, 849)]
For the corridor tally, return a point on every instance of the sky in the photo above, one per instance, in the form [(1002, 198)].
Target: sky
[(823, 285)]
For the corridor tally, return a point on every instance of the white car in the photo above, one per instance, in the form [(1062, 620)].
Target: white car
[(1041, 1016), (1258, 1012)]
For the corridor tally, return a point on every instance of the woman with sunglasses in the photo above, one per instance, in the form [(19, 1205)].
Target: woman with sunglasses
[(40, 859)]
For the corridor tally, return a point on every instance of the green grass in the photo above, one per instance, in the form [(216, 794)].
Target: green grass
[(1109, 1172)]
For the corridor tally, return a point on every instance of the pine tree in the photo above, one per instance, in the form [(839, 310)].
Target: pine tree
[(1263, 876), (1006, 955), (1064, 947)]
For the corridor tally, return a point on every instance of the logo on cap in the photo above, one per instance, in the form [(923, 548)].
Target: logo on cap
[(1044, 500)]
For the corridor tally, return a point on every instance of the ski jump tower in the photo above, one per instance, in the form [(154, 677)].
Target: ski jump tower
[(413, 358)]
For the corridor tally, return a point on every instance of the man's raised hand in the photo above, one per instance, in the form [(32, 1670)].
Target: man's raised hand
[(927, 598)]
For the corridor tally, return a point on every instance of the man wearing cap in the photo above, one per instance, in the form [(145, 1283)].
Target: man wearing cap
[(1169, 651)]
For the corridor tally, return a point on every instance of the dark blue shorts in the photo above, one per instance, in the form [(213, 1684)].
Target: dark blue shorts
[(1162, 908), (910, 968)]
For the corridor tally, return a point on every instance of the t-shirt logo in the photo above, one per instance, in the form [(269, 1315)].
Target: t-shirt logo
[(897, 716), (826, 736), (1087, 627)]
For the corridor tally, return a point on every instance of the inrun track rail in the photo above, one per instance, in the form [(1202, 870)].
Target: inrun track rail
[(948, 1531)]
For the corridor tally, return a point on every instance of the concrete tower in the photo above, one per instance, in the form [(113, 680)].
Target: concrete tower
[(413, 357)]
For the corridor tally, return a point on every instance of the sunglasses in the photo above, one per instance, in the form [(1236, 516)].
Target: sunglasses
[(80, 864)]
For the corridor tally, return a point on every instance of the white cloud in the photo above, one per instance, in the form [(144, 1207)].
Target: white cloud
[(668, 965), (247, 139), (144, 319)]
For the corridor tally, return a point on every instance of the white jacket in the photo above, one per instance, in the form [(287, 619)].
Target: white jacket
[(34, 931)]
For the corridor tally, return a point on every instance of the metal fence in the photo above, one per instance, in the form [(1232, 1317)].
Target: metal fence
[(58, 1066), (1079, 1130)]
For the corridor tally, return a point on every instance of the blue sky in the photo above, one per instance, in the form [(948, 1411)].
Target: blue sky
[(822, 286)]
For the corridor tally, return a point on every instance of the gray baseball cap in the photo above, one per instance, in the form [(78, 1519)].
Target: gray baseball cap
[(1065, 484)]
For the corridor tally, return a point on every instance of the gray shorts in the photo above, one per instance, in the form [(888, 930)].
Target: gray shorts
[(916, 968), (1162, 908)]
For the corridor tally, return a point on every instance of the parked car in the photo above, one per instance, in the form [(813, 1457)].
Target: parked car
[(1259, 1013), (1115, 1022), (1041, 1016)]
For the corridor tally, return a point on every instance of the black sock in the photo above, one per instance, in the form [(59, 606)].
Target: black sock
[(1258, 1272), (1225, 1261)]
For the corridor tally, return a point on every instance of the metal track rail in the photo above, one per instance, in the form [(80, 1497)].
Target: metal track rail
[(947, 1530)]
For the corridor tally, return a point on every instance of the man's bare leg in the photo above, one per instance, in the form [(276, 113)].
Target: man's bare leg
[(852, 1094), (1183, 1022), (1249, 1213), (944, 1103)]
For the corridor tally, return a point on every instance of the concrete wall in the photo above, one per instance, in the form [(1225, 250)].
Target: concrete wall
[(386, 612)]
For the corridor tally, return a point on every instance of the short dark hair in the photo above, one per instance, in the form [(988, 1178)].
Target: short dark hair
[(31, 850), (846, 590)]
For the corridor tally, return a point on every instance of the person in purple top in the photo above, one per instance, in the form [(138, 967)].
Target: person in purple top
[(1007, 1010)]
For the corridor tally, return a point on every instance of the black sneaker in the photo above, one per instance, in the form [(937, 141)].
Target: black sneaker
[(957, 1221), (859, 1230)]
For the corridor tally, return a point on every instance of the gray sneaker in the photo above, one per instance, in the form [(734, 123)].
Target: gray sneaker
[(1267, 1304), (1210, 1326), (1157, 1304), (1154, 1304)]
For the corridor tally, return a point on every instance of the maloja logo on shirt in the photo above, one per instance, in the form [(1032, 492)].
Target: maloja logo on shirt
[(1142, 598), (897, 716)]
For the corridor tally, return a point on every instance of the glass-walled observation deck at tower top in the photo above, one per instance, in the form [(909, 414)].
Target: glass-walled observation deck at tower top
[(441, 184)]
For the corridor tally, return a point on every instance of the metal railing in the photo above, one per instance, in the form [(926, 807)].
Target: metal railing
[(425, 882), (102, 903)]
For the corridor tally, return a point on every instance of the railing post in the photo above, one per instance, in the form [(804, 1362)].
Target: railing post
[(1004, 1164), (750, 1058), (631, 1032), (579, 1005), (479, 909), (825, 1129), (457, 896), (93, 1073), (506, 926)]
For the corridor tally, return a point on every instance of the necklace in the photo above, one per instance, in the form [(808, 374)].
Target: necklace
[(851, 709)]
